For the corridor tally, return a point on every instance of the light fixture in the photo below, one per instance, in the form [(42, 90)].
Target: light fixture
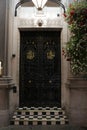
[(39, 3)]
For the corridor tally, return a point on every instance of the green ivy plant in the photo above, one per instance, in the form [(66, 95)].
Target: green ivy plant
[(76, 48)]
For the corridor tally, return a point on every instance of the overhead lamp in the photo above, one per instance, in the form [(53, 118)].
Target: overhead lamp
[(39, 3)]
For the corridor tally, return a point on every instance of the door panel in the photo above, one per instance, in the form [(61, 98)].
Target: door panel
[(40, 68)]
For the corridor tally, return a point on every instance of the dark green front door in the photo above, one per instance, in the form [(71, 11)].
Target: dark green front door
[(40, 68)]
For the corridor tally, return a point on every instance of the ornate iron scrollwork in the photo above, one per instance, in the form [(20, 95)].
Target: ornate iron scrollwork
[(30, 55), (50, 55), (40, 72)]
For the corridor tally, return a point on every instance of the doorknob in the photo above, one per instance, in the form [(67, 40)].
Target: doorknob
[(29, 81), (50, 81)]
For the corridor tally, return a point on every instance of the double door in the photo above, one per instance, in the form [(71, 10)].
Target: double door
[(40, 68)]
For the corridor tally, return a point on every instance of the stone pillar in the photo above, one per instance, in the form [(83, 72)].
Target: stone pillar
[(2, 33), (5, 89), (77, 100)]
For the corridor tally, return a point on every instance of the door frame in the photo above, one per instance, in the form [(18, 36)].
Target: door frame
[(43, 29)]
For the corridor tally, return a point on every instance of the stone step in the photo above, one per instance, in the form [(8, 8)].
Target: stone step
[(47, 127), (39, 116)]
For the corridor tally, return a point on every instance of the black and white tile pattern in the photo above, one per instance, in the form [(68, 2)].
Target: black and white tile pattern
[(39, 116)]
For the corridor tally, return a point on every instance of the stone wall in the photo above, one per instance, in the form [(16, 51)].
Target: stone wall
[(5, 91), (77, 100)]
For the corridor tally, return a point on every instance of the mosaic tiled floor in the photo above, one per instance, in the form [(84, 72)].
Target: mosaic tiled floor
[(39, 116)]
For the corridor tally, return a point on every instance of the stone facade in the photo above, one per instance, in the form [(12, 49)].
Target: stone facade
[(5, 96), (73, 90), (76, 102), (2, 30)]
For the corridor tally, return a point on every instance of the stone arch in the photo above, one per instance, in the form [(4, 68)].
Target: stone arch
[(24, 1)]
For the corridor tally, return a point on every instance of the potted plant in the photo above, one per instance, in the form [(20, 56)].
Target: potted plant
[(76, 47)]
